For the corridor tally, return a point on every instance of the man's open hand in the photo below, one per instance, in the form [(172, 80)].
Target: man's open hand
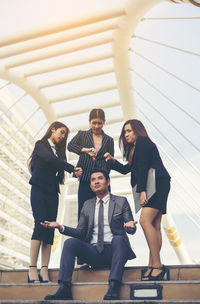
[(130, 225)]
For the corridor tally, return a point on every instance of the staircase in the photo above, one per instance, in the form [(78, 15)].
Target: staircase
[(89, 286)]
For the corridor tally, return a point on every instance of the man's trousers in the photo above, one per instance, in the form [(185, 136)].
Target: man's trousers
[(113, 256)]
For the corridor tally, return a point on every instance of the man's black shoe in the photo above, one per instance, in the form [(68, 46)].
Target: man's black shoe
[(63, 293), (113, 291)]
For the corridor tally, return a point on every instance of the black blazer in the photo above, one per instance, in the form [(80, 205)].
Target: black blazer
[(145, 156), (46, 167), (84, 139), (119, 212)]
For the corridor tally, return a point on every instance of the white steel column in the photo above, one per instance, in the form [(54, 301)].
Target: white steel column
[(175, 240), (135, 10)]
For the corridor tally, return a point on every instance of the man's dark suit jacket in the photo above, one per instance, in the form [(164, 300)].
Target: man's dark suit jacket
[(146, 156), (46, 167), (119, 212), (84, 139)]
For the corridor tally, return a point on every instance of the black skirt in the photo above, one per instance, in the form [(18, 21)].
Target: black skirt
[(159, 199), (45, 208)]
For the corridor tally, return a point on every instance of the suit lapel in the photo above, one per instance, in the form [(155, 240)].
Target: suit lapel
[(104, 141), (91, 141), (45, 141), (90, 138), (111, 209), (91, 213)]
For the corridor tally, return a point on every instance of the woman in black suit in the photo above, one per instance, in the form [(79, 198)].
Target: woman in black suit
[(142, 154), (91, 146), (47, 165)]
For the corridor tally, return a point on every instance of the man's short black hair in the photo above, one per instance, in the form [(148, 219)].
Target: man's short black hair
[(105, 173)]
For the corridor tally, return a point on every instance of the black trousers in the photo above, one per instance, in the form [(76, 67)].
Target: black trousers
[(45, 208), (114, 256)]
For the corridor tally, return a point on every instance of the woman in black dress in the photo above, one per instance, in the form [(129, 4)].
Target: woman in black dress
[(142, 154), (47, 165)]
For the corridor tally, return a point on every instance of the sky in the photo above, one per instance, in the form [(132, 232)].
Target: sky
[(16, 15), (173, 129)]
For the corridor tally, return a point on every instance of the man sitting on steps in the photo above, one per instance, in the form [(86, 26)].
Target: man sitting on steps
[(100, 238)]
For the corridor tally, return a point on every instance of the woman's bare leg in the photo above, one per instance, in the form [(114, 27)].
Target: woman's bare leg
[(45, 256), (150, 220), (34, 252)]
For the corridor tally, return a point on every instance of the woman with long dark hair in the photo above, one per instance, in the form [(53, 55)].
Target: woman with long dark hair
[(91, 146), (47, 164), (142, 154)]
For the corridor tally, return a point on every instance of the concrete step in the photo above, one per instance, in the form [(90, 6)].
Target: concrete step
[(190, 272), (171, 290), (100, 302)]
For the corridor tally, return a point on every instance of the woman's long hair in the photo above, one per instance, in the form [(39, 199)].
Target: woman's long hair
[(139, 129), (60, 147)]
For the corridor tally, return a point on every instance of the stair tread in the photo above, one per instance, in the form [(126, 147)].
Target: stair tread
[(126, 267), (99, 301), (177, 272), (95, 290), (106, 283), (89, 287)]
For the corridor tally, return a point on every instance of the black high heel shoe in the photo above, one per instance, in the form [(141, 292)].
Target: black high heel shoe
[(40, 277), (143, 271), (163, 275), (33, 281)]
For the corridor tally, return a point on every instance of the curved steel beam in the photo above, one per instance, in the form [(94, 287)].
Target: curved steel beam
[(31, 89), (135, 10)]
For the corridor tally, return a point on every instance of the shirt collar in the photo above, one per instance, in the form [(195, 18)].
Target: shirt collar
[(105, 199), (51, 143)]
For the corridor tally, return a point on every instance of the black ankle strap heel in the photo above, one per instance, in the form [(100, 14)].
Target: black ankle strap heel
[(163, 275), (33, 281), (40, 277), (143, 271)]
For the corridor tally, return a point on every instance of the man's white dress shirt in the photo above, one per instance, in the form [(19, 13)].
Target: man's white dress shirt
[(108, 236), (107, 232)]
